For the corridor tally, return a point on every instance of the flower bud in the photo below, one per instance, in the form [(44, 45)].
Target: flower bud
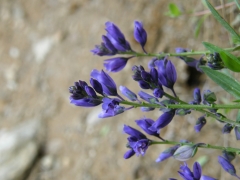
[(227, 166), (237, 132), (229, 155), (140, 34), (185, 152), (200, 123), (227, 128), (209, 97), (183, 112), (129, 94)]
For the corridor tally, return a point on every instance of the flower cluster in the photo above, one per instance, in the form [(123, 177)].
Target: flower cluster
[(157, 80)]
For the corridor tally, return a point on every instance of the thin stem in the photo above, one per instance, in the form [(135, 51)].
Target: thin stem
[(184, 105), (202, 145), (191, 53)]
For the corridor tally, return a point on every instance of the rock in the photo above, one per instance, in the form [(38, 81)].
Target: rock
[(19, 147)]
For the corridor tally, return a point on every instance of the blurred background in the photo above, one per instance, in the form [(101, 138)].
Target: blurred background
[(45, 47)]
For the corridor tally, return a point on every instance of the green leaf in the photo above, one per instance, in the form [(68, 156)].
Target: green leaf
[(199, 25), (238, 4), (173, 10), (238, 116), (230, 61), (222, 21), (229, 84)]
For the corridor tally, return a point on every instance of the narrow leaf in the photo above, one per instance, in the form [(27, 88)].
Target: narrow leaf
[(229, 84), (238, 4), (199, 25), (173, 10), (230, 61), (222, 21)]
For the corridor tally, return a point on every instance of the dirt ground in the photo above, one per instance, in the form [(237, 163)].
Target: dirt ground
[(45, 47)]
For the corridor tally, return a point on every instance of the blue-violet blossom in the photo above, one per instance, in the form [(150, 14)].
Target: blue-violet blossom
[(140, 34), (137, 142)]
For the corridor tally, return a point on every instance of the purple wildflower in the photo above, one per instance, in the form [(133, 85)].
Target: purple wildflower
[(128, 93), (237, 132), (188, 60), (147, 97), (111, 108), (116, 64), (140, 34), (83, 95), (227, 128), (108, 85), (137, 142), (167, 153), (162, 121), (144, 124), (116, 37), (166, 73), (196, 174), (200, 123), (227, 166)]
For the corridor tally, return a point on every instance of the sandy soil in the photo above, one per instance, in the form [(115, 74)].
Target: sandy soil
[(45, 46)]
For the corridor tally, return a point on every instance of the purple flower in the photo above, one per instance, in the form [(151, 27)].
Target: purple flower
[(196, 174), (97, 86), (166, 73), (83, 95), (147, 97), (162, 121), (108, 85), (140, 34), (188, 60), (229, 155), (227, 128), (200, 123), (105, 49), (167, 153), (137, 142), (197, 95), (116, 37), (111, 108), (227, 166), (109, 45), (129, 94), (158, 92), (237, 132), (116, 64), (144, 124)]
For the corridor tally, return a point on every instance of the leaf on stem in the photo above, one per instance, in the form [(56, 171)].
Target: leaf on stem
[(229, 84), (173, 10), (230, 61), (222, 21)]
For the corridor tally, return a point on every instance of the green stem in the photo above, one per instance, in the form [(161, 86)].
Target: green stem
[(207, 146), (184, 105), (191, 53)]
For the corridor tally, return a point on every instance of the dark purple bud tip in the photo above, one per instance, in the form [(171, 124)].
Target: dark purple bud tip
[(200, 123), (158, 92), (227, 128), (108, 85), (197, 95)]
